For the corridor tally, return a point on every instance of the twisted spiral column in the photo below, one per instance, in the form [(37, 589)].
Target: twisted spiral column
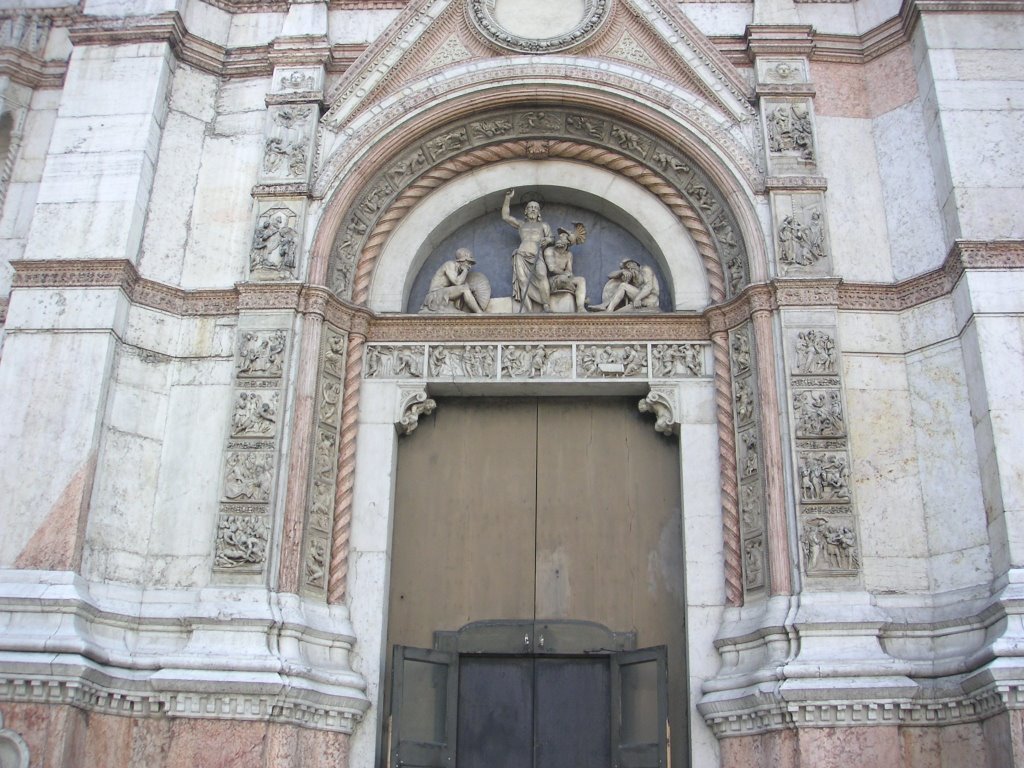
[(337, 582), (727, 463)]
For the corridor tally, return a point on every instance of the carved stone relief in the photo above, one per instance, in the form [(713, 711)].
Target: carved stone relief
[(748, 446), (828, 530), (537, 128), (302, 79), (457, 287), (538, 361), (470, 361), (250, 456), (324, 464), (670, 361), (451, 51), (801, 238), (789, 130), (286, 150), (629, 49), (625, 360), (781, 71), (519, 361), (403, 361), (275, 244)]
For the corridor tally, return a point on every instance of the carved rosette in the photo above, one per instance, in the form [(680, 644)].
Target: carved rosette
[(749, 458), (435, 362), (251, 453), (538, 130), (324, 465), (829, 543), (13, 749)]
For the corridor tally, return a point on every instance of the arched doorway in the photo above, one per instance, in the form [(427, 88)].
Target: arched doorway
[(538, 513)]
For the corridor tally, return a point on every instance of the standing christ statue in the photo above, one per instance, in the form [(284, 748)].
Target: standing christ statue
[(530, 285)]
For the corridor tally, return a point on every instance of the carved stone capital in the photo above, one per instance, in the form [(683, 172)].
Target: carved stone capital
[(663, 402), (412, 403)]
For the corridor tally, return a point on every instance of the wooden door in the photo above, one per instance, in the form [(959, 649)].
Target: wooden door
[(544, 508)]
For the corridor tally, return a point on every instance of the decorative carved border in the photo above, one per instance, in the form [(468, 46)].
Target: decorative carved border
[(481, 14)]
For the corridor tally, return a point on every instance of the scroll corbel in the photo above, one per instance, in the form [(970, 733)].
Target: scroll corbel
[(412, 403), (663, 402)]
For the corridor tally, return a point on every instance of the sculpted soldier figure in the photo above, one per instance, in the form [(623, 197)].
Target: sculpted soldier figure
[(530, 285), (451, 288)]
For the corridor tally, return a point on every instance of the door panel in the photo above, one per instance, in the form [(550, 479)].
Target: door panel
[(463, 544), (572, 717), (495, 712)]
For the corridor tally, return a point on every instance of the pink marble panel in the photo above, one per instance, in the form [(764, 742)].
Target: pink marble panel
[(840, 90), (57, 543), (777, 749), (845, 747), (891, 81)]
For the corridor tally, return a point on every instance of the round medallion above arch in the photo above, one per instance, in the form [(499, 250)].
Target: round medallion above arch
[(538, 26)]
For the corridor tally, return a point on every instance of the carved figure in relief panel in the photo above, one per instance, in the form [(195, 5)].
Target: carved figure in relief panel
[(750, 507), (455, 287), (669, 162), (819, 413), (802, 240), (241, 541), (385, 361), (298, 81), (789, 130), (815, 352), (330, 396), (535, 362), (490, 129), (629, 141), (255, 414), (753, 563), (630, 288), (675, 360), (744, 401), (582, 125), (274, 246), (824, 477), (629, 360), (334, 356), (285, 148), (740, 351), (737, 273), (324, 462), (829, 546), (749, 453), (249, 476), (261, 354), (474, 361), (316, 558)]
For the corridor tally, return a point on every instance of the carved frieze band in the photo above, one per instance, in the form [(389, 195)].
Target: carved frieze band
[(324, 467), (829, 542), (749, 458), (440, 362), (244, 522)]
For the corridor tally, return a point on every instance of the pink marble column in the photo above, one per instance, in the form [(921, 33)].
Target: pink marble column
[(727, 462), (303, 426), (779, 559)]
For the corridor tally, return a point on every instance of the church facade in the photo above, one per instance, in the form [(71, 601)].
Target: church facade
[(487, 382)]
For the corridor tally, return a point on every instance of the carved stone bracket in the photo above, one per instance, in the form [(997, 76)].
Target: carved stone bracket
[(412, 403), (663, 402)]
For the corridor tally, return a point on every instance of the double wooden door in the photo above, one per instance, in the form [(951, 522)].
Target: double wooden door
[(541, 509)]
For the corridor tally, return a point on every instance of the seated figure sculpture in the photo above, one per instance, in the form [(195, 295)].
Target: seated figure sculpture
[(456, 288), (558, 260), (630, 288)]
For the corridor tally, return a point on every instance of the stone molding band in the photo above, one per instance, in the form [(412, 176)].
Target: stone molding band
[(258, 61), (846, 296)]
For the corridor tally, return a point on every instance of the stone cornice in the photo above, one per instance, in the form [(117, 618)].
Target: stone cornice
[(966, 255)]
